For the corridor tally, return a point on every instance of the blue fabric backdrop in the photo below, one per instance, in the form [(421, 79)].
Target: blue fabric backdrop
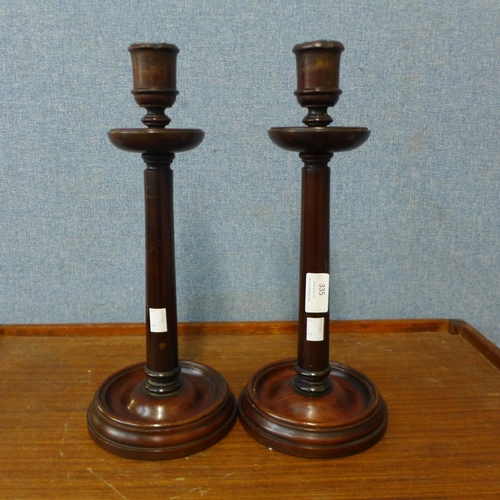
[(415, 211)]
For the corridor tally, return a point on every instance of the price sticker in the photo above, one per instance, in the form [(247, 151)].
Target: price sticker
[(157, 320), (317, 287), (315, 329)]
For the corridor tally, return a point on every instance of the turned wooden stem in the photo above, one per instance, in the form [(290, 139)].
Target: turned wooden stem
[(313, 365), (162, 362)]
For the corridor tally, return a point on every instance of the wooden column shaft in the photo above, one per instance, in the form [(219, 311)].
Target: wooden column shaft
[(313, 362), (162, 363)]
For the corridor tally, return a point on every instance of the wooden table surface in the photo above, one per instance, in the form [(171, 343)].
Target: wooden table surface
[(440, 380)]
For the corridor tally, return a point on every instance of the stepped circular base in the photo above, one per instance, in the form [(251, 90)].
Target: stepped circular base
[(349, 419), (318, 139), (127, 420)]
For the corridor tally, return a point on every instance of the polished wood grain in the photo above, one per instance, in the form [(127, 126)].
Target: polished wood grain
[(163, 408), (442, 440), (312, 406), (232, 328)]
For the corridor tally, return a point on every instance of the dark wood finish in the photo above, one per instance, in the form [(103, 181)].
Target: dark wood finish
[(157, 141), (162, 362), (329, 139), (313, 407), (127, 420), (163, 408), (318, 65), (442, 441), (155, 78), (348, 418), (314, 258)]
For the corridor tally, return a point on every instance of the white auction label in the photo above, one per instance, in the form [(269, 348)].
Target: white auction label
[(157, 320), (317, 286), (314, 329)]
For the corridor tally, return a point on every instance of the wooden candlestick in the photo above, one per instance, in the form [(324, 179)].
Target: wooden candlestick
[(164, 408), (312, 407)]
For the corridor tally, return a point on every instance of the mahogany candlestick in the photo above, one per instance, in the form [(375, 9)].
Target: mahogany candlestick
[(163, 408), (310, 406)]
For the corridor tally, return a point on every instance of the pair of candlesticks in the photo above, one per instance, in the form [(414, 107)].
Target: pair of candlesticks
[(166, 408)]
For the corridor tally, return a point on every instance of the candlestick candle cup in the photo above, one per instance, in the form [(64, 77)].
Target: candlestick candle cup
[(154, 69), (318, 68)]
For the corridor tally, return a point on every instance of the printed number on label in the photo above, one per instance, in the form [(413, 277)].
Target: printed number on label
[(317, 286)]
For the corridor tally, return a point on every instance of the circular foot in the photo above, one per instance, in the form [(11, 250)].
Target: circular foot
[(127, 420), (349, 419)]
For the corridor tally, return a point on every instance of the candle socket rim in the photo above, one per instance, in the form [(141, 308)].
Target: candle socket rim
[(154, 91), (318, 44), (154, 46)]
